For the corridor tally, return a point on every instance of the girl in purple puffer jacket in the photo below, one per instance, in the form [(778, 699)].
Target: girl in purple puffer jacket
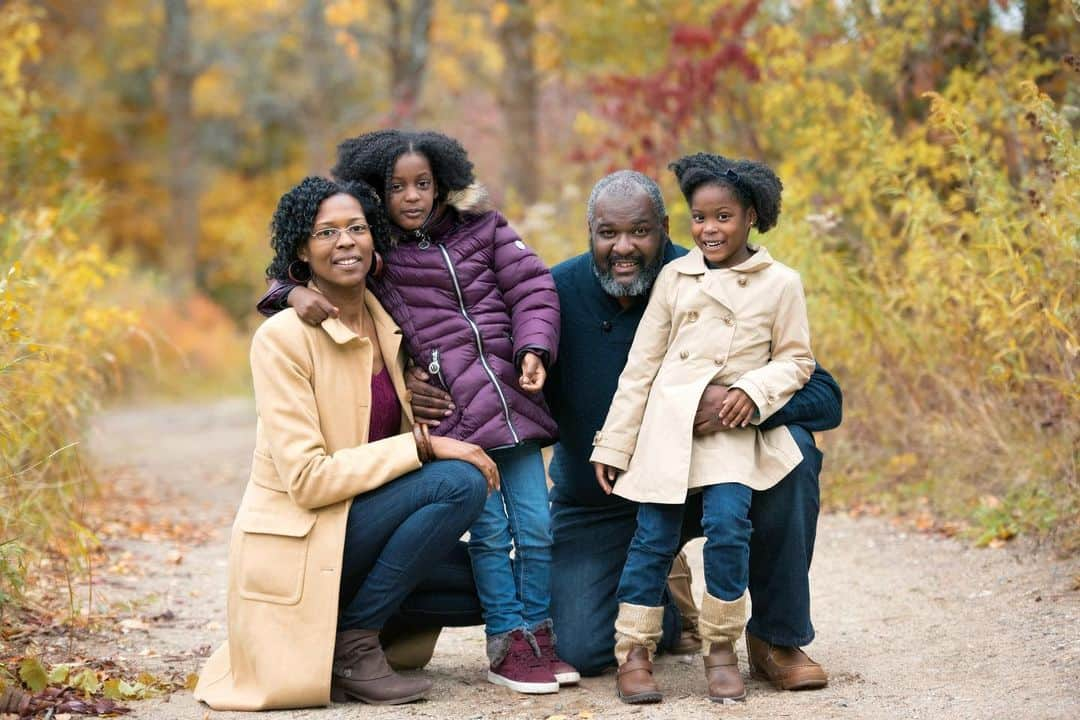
[(480, 313)]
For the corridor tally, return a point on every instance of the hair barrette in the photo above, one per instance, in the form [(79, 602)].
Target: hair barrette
[(731, 175)]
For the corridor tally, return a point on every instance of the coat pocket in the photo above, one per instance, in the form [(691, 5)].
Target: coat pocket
[(273, 554)]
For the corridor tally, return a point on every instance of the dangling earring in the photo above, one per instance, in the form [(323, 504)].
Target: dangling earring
[(302, 269), (376, 265)]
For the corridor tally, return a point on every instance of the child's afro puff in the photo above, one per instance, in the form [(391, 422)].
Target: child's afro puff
[(754, 183)]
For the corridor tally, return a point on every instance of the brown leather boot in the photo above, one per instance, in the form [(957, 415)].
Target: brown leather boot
[(361, 673), (722, 673), (680, 585), (634, 682), (787, 668)]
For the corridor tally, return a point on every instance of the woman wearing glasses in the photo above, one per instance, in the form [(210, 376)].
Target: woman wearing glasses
[(350, 509)]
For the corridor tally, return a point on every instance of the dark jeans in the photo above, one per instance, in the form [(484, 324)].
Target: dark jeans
[(400, 544), (591, 544), (726, 521)]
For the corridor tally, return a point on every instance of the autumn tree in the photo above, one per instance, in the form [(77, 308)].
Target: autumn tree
[(180, 71)]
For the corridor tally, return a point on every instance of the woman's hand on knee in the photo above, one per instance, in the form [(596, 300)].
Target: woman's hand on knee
[(446, 448)]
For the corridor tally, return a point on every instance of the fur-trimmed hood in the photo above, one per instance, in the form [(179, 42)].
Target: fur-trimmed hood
[(473, 199)]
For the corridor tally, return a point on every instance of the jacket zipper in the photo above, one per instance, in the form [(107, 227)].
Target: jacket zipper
[(435, 368), (479, 342)]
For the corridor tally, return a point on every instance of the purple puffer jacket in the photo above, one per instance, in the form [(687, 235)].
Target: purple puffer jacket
[(471, 298)]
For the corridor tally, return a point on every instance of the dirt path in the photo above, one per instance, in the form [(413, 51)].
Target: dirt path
[(909, 626)]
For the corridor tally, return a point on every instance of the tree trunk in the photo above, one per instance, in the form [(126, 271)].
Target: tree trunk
[(182, 233), (319, 57), (519, 99), (409, 46), (1053, 46)]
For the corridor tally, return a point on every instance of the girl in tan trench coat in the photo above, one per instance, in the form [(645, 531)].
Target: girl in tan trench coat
[(725, 314), (343, 514)]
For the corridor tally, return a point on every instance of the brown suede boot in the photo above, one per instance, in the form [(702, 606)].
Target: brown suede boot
[(722, 673), (680, 585), (635, 684), (361, 673)]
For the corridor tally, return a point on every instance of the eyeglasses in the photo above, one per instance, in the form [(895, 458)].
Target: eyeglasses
[(332, 233)]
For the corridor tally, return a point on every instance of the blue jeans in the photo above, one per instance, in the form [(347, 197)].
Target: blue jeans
[(726, 521), (590, 546), (398, 535), (514, 594)]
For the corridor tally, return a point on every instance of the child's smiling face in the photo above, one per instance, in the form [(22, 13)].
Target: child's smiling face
[(720, 224)]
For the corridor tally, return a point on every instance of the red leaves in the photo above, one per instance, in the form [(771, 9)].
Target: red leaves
[(651, 114), (69, 700)]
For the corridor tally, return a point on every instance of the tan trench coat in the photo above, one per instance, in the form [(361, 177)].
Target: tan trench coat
[(743, 326), (313, 395)]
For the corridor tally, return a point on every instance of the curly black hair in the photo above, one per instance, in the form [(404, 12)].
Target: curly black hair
[(294, 219), (371, 158), (754, 184)]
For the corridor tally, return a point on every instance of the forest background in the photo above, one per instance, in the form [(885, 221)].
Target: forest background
[(928, 152)]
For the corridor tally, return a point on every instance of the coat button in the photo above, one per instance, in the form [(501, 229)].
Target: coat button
[(742, 281), (691, 316), (683, 355), (606, 326), (729, 320)]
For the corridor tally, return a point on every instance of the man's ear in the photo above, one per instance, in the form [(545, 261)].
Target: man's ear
[(667, 225)]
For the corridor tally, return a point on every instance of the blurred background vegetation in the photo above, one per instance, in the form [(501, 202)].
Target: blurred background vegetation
[(928, 152)]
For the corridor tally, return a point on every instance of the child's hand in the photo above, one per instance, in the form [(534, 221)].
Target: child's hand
[(533, 373), (736, 409), (606, 476), (311, 306)]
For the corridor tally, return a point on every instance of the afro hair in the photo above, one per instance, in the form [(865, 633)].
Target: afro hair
[(754, 184), (294, 219)]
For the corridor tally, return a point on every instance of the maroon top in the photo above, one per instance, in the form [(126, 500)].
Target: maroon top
[(385, 408)]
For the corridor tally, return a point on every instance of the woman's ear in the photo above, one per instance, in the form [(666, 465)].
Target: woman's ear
[(302, 254)]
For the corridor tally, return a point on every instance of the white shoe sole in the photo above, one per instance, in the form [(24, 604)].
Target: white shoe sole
[(523, 687), (568, 678)]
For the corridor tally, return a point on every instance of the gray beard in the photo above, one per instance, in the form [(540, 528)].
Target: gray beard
[(641, 284)]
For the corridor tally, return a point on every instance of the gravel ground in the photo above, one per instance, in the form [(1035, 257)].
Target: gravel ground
[(909, 625)]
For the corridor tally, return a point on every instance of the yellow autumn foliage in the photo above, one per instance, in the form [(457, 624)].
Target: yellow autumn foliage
[(59, 343), (942, 269)]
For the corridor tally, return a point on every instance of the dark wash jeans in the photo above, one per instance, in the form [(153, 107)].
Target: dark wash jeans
[(725, 517), (591, 545), (403, 562)]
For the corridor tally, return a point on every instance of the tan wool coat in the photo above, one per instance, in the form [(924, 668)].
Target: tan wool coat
[(312, 395), (744, 326)]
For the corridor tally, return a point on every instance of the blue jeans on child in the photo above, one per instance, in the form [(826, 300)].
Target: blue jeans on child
[(397, 537), (725, 518), (515, 594)]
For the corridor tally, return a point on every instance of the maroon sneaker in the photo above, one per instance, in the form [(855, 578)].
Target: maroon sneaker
[(522, 669), (563, 671)]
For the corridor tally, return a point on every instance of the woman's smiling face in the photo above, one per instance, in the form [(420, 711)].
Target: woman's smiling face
[(720, 224), (410, 196), (340, 248)]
